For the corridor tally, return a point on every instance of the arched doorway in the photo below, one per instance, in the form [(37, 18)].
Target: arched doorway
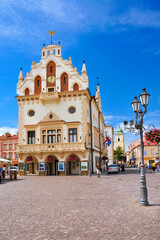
[(73, 165), (31, 163), (51, 165)]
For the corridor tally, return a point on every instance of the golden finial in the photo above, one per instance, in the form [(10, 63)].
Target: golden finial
[(51, 34)]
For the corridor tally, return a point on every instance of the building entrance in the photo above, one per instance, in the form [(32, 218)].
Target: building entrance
[(51, 165), (73, 165), (31, 163)]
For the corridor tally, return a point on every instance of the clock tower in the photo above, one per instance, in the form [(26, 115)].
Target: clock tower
[(119, 139)]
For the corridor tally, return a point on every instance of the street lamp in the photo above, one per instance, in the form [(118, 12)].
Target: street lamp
[(138, 127), (88, 145)]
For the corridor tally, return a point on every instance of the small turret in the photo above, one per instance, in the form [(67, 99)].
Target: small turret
[(84, 68), (20, 75), (98, 97)]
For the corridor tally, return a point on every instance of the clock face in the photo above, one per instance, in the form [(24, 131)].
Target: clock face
[(51, 79)]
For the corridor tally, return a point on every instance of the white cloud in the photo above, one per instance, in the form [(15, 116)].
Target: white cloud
[(140, 18), (4, 130), (29, 20)]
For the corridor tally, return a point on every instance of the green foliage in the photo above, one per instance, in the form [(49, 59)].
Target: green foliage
[(119, 154)]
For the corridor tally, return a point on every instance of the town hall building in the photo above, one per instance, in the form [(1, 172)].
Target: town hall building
[(61, 126)]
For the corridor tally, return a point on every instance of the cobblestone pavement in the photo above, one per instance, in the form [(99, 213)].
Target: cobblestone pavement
[(74, 207)]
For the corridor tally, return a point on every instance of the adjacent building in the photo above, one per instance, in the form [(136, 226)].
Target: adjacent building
[(151, 152), (8, 147), (61, 126)]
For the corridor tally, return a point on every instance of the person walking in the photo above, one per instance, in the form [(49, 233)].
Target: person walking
[(139, 167), (150, 167), (153, 166), (98, 170), (157, 167)]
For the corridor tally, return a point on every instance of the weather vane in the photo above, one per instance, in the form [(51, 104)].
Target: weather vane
[(51, 34)]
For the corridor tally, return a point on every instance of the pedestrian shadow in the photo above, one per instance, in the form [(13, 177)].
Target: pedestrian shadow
[(154, 205), (4, 180)]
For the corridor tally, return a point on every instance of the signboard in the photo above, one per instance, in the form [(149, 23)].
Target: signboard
[(84, 166), (61, 166), (41, 167)]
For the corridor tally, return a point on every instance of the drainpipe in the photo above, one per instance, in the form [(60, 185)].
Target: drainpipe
[(90, 106), (99, 113)]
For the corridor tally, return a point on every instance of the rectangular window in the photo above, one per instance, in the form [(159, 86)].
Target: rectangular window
[(58, 138), (10, 147), (16, 156), (16, 146), (44, 139), (5, 147), (4, 156), (51, 136), (31, 137), (152, 151), (145, 152), (73, 135), (10, 156)]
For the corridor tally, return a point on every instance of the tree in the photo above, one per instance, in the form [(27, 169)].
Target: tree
[(119, 154)]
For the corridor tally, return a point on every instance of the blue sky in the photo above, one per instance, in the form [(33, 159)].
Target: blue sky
[(119, 40)]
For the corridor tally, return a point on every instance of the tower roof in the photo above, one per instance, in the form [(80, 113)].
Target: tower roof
[(119, 130)]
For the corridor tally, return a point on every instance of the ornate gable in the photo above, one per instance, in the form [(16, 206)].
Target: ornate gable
[(51, 117)]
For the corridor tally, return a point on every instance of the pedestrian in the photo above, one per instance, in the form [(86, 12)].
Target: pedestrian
[(106, 166), (98, 170), (153, 166), (157, 167), (122, 167), (146, 167), (139, 167), (150, 167)]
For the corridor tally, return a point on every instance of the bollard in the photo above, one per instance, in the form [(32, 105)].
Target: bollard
[(15, 175), (3, 174), (11, 175)]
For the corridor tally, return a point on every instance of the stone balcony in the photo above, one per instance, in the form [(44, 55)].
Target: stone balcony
[(50, 148), (49, 96)]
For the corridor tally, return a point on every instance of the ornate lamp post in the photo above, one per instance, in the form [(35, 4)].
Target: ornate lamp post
[(138, 127)]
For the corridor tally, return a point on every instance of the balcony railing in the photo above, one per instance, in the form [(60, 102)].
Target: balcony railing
[(54, 147)]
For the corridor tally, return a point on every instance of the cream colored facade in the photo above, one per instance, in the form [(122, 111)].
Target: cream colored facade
[(150, 152), (119, 139), (50, 133)]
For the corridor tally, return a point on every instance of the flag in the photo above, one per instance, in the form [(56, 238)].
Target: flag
[(108, 141)]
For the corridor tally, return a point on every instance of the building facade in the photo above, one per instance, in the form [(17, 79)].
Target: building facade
[(109, 132), (151, 152), (61, 126), (119, 139), (8, 147)]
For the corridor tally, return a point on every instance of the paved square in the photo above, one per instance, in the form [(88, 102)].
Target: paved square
[(74, 207)]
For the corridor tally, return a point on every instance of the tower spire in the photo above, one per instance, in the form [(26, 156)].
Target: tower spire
[(51, 32)]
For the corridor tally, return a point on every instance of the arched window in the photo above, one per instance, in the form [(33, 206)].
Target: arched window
[(118, 139), (75, 87), (27, 91), (37, 85), (64, 82), (51, 71)]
